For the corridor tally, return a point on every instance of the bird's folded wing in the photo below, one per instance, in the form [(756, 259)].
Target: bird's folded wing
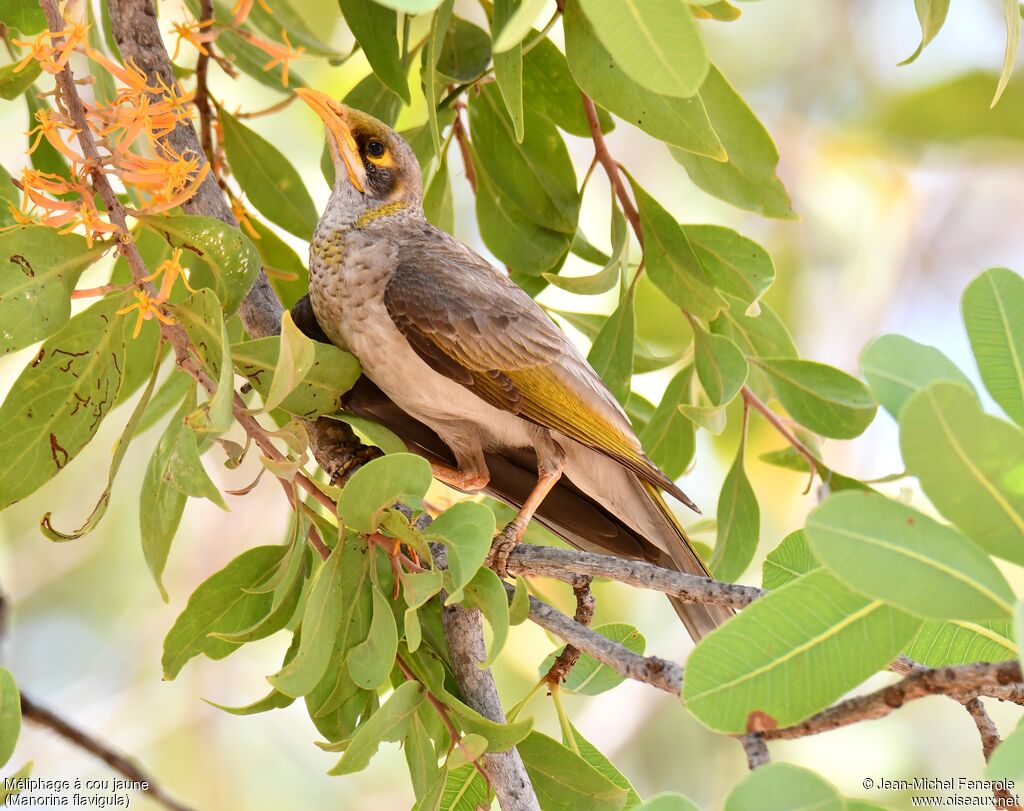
[(473, 325)]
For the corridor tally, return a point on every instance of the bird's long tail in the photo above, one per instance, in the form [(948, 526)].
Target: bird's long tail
[(699, 618), (597, 506)]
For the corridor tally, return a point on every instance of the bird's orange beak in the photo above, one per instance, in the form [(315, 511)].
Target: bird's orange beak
[(334, 115)]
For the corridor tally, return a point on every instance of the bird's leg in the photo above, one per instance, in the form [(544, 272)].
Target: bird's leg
[(466, 480), (550, 466)]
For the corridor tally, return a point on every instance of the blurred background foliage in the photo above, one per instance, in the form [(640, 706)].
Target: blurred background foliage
[(906, 185)]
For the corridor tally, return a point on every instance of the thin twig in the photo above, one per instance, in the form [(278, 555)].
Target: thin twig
[(585, 605), (776, 422), (202, 99), (460, 136), (756, 750), (611, 167), (117, 761)]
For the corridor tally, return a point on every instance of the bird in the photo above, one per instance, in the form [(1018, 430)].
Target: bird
[(469, 358)]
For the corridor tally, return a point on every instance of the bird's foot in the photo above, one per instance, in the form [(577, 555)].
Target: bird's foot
[(355, 460), (503, 544)]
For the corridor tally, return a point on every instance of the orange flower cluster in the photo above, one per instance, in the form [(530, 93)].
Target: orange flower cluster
[(132, 123), (281, 54)]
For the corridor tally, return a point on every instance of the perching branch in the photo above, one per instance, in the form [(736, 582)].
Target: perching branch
[(585, 606), (924, 682), (561, 564), (117, 761), (657, 672)]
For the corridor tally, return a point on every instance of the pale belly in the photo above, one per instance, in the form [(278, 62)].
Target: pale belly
[(350, 308)]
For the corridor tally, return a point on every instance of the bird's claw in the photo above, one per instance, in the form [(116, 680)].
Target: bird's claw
[(501, 547)]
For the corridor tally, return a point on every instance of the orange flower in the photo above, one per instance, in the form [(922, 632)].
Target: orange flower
[(171, 270), (241, 214), (129, 74), (282, 54), (50, 124), (148, 308), (164, 177), (191, 31), (240, 11), (40, 50)]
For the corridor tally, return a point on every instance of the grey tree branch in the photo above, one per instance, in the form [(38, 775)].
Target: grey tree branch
[(959, 680), (550, 561), (117, 761), (506, 769), (137, 34)]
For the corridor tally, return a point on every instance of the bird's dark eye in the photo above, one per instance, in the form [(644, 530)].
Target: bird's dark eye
[(375, 149)]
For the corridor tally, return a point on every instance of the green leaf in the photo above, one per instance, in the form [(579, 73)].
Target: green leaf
[(267, 178), (22, 774), (1007, 761), (939, 644), (332, 373), (993, 312), (787, 561), (321, 620), (14, 83), (232, 259), (759, 334), (820, 397), (668, 802), (438, 205), (420, 756), (720, 10), (432, 81), (291, 574), (200, 315), (747, 179), (487, 593), (889, 551), (461, 789), (508, 68), (411, 6), (296, 355), (671, 262), (611, 354), (969, 464), (36, 285), (224, 603), (162, 504), (23, 15), (668, 436), (681, 122), (185, 469), (535, 171), (931, 14), (590, 677), (655, 42), (130, 429), (518, 25), (1011, 12), (57, 403), (377, 486), (387, 724), (271, 701), (739, 522), (466, 530), (564, 780), (711, 418), (519, 607), (733, 264), (376, 30), (606, 278), (784, 787), (470, 748), (553, 93), (513, 238), (370, 662), (791, 654), (10, 715), (720, 364), (465, 52), (897, 367), (572, 738)]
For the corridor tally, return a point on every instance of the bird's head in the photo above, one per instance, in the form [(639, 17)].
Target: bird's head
[(369, 157)]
